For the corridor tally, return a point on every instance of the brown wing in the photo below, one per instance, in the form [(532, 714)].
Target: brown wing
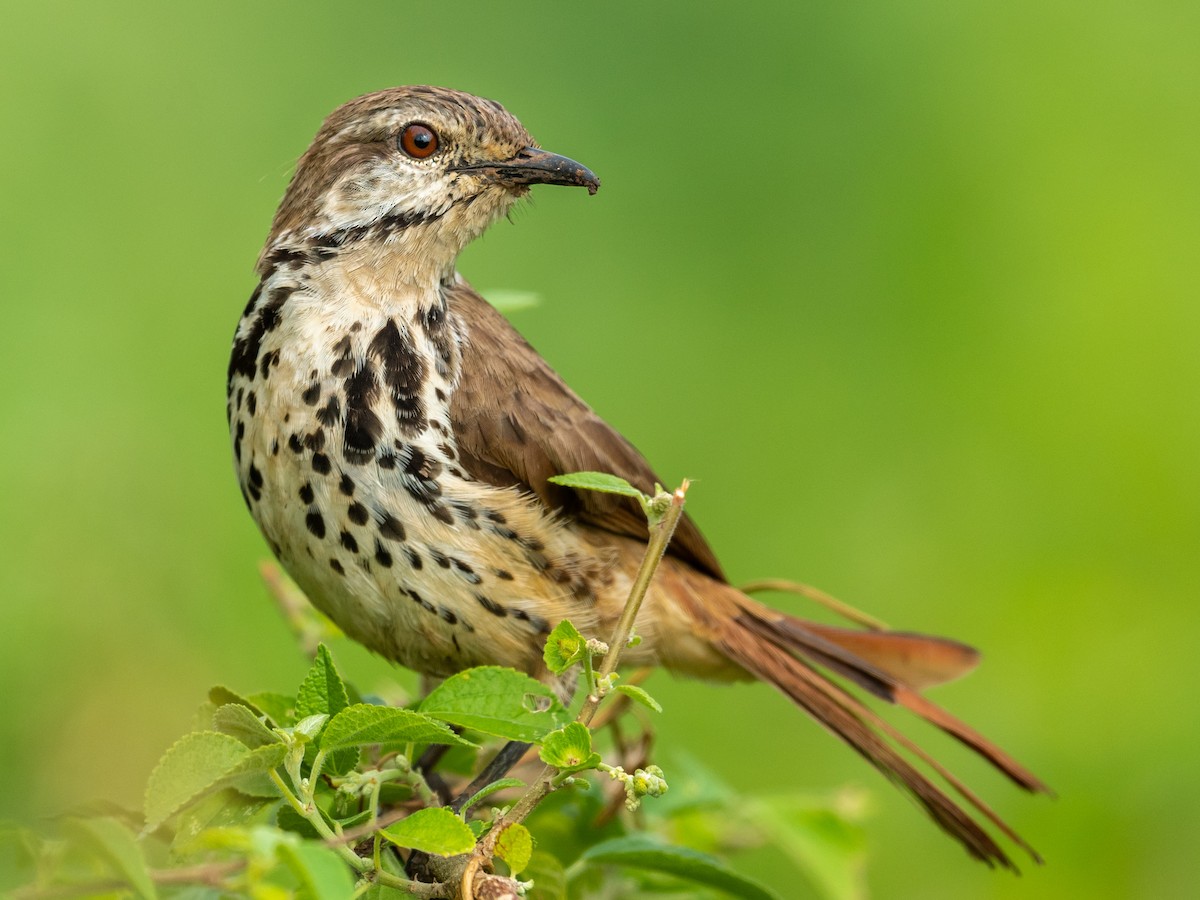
[(517, 423)]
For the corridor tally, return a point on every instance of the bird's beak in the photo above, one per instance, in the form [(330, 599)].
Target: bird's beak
[(534, 166)]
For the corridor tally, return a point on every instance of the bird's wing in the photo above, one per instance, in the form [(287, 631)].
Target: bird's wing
[(517, 423)]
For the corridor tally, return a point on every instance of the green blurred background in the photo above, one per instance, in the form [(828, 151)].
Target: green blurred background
[(910, 289)]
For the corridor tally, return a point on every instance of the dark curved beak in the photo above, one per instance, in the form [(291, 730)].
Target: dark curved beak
[(534, 166)]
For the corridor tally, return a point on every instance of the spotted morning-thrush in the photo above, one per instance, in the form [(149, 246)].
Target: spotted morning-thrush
[(393, 437)]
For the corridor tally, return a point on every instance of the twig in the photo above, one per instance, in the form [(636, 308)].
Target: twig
[(845, 610)]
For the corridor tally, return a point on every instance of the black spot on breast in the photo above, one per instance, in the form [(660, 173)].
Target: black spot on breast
[(294, 444), (441, 513), (391, 528), (251, 403), (447, 615), (402, 371), (268, 360), (387, 460), (348, 541), (255, 492), (306, 493), (504, 574), (337, 567), (466, 571), (440, 558), (346, 485), (343, 365), (256, 478), (330, 412), (491, 606), (446, 450), (358, 514), (275, 447), (244, 359), (434, 321), (311, 394), (467, 512), (421, 601), (382, 556), (315, 524), (320, 464), (316, 440), (414, 558), (363, 427), (494, 516), (536, 622)]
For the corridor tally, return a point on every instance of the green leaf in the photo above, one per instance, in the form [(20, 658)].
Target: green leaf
[(548, 877), (221, 695), (281, 708), (222, 809), (433, 830), (564, 647), (500, 785), (20, 849), (634, 692), (599, 481), (198, 763), (322, 874), (322, 690), (569, 749), (497, 701), (823, 842), (641, 852), (362, 724), (241, 722), (115, 844), (515, 847)]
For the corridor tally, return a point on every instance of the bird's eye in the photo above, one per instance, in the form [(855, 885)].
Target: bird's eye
[(418, 141)]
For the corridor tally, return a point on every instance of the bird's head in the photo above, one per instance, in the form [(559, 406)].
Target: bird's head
[(418, 170)]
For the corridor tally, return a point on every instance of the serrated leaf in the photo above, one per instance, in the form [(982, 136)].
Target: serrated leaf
[(363, 724), (548, 877), (633, 692), (221, 809), (219, 695), (322, 690), (240, 722), (500, 785), (322, 874), (515, 847), (433, 830), (641, 852), (599, 481), (115, 844), (497, 701), (198, 763), (569, 749), (564, 647), (280, 708)]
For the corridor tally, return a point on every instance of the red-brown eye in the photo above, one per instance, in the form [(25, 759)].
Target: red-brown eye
[(418, 141)]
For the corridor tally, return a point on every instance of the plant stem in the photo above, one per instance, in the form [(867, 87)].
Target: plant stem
[(660, 537)]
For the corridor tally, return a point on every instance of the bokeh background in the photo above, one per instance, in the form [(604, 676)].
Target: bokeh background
[(910, 289)]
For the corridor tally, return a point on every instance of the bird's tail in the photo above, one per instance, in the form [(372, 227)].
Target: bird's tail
[(794, 655)]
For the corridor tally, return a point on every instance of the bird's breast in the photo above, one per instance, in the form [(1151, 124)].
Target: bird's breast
[(340, 419)]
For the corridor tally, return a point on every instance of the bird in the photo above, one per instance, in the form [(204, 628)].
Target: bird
[(394, 436)]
